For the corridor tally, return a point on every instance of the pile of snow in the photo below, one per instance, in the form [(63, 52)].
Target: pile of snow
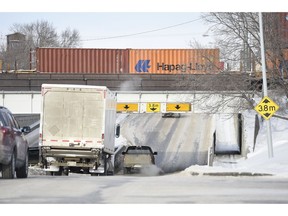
[(257, 161)]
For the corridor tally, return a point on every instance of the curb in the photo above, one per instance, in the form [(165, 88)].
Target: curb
[(231, 174)]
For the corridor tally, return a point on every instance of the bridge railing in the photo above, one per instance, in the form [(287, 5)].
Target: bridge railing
[(29, 102)]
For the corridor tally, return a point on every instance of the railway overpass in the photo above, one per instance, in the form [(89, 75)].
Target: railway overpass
[(131, 82), (209, 120), (29, 102)]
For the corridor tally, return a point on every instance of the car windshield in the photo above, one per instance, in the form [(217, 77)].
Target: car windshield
[(138, 151)]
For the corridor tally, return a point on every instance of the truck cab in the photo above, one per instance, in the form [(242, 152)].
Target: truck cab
[(137, 157)]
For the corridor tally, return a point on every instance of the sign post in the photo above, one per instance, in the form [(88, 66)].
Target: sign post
[(265, 92)]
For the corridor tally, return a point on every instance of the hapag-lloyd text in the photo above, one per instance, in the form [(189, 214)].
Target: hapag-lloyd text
[(184, 67)]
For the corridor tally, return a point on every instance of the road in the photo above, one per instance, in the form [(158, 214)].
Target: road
[(138, 189), (180, 142)]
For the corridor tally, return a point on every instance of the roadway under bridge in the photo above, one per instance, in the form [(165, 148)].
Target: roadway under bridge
[(192, 139), (185, 127)]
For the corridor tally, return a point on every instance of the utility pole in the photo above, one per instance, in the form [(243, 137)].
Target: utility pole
[(264, 80)]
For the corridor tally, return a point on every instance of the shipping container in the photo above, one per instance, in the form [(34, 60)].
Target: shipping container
[(174, 61), (125, 61), (80, 60)]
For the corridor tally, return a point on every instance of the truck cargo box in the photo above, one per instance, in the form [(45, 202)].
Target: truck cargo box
[(77, 125)]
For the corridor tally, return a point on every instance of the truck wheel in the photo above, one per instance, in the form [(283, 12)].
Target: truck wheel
[(59, 173), (8, 171), (55, 173), (111, 173), (22, 172), (66, 171), (110, 167), (85, 171), (105, 165)]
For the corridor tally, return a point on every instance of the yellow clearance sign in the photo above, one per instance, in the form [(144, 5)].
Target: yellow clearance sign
[(127, 107), (153, 107), (181, 107), (266, 108)]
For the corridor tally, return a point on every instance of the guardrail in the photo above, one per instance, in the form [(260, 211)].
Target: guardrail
[(29, 102)]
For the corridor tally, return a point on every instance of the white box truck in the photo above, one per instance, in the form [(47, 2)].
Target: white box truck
[(77, 129)]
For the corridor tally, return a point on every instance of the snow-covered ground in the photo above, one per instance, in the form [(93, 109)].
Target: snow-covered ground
[(257, 161)]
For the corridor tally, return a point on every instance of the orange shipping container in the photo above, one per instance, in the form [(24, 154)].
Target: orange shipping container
[(174, 61), (79, 60)]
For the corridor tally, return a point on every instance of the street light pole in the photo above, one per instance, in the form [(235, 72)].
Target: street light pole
[(264, 86)]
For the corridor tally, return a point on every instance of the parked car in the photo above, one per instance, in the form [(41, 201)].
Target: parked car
[(13, 146), (137, 158)]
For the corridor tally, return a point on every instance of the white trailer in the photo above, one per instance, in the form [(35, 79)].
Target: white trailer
[(77, 129)]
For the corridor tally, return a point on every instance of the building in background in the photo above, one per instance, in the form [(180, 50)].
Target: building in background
[(283, 28), (15, 58), (15, 41)]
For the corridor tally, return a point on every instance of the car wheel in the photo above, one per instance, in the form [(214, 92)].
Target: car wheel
[(22, 172), (8, 171)]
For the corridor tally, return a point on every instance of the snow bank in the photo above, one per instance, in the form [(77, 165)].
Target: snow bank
[(257, 161)]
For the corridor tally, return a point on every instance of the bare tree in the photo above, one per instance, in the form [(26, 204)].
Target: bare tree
[(237, 36), (70, 38), (37, 34)]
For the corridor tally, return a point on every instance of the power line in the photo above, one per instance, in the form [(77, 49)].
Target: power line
[(144, 32)]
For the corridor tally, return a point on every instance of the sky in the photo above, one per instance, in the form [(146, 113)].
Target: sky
[(119, 29), (126, 23)]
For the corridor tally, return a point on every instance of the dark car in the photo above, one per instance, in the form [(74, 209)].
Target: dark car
[(137, 158), (13, 146)]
